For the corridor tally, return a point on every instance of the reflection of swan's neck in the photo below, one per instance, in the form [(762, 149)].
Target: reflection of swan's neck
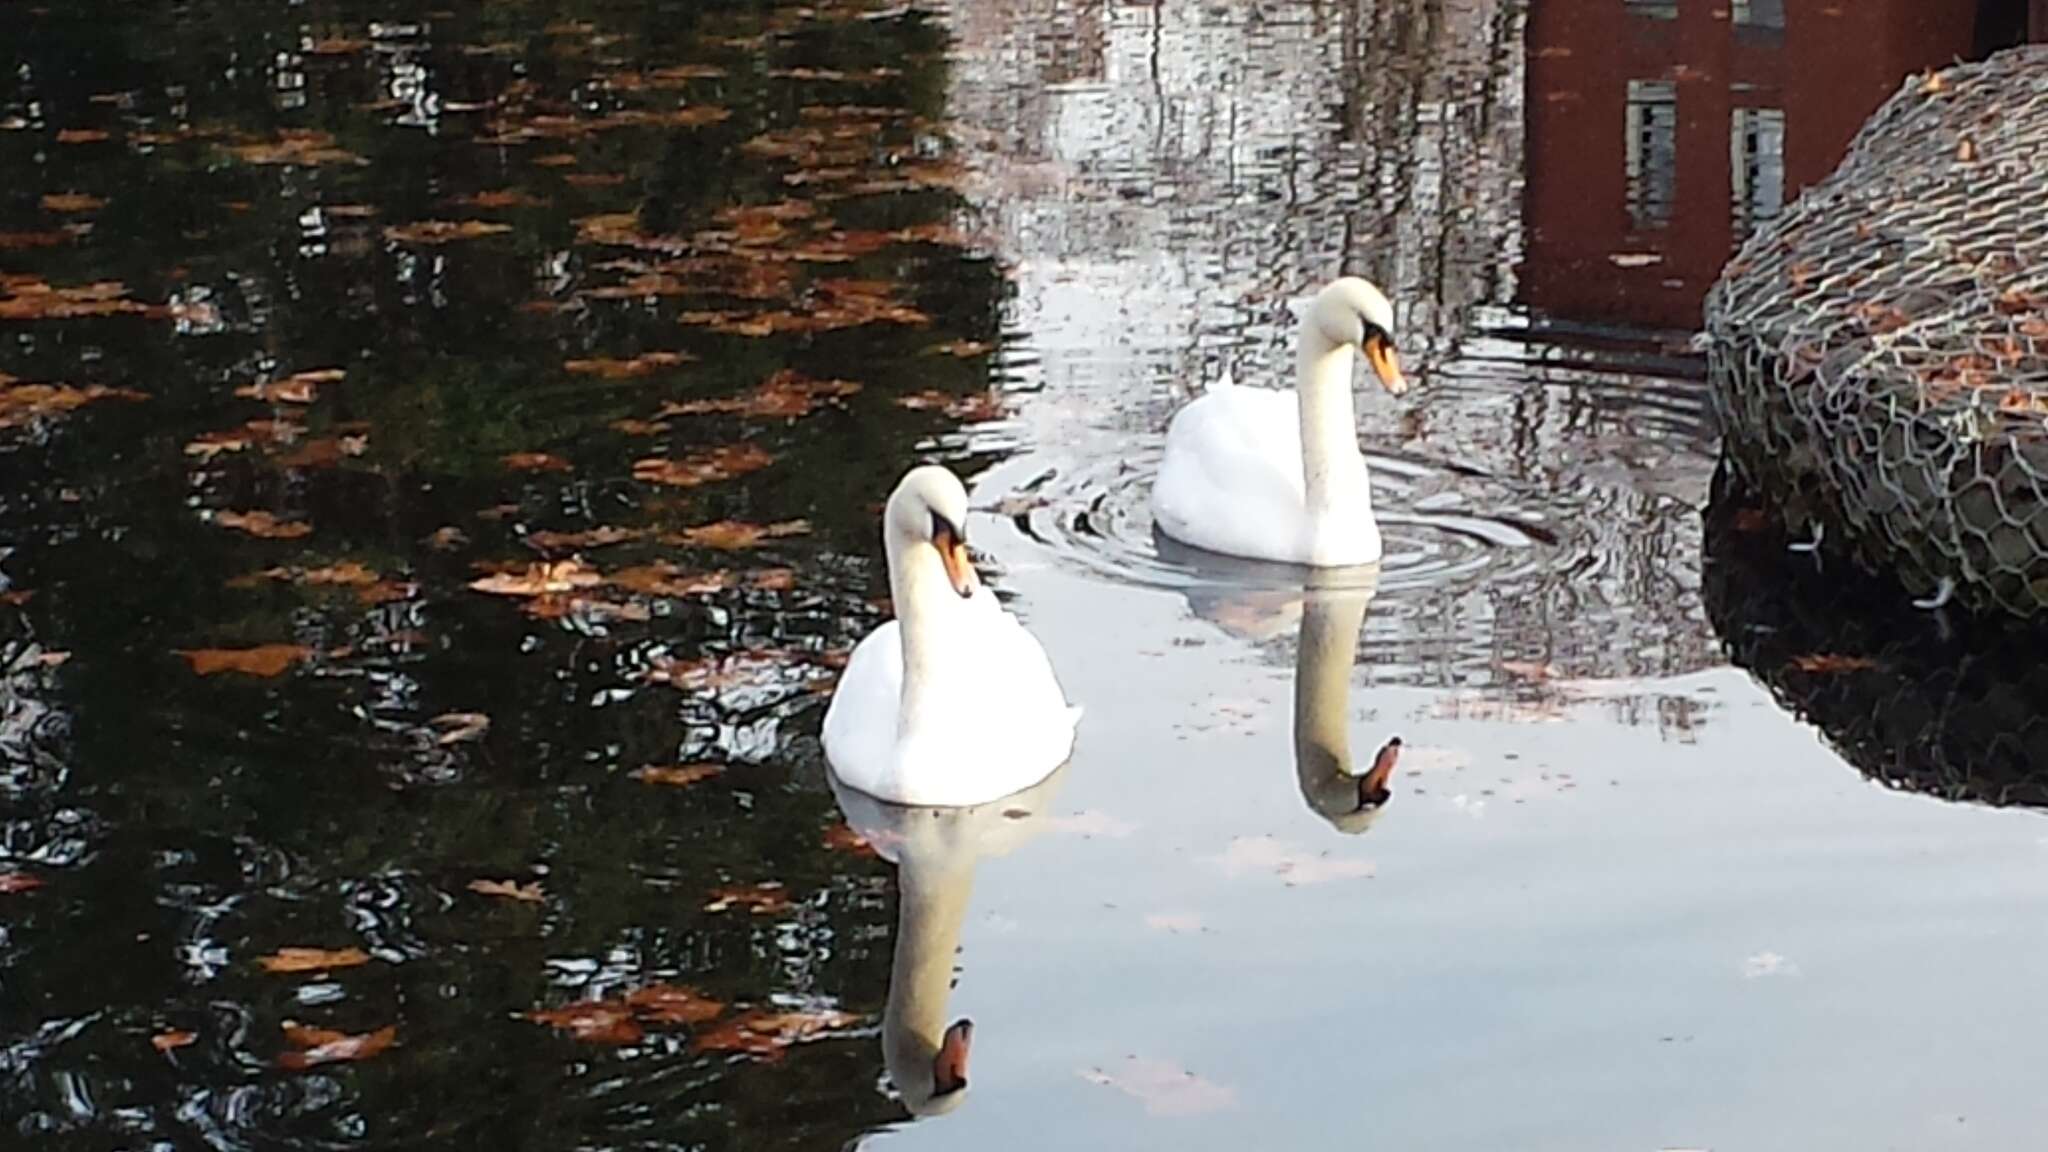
[(1332, 467), (932, 903), (1322, 701), (917, 586)]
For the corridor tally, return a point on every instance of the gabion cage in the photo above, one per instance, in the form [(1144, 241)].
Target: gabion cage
[(1952, 712), (1879, 354)]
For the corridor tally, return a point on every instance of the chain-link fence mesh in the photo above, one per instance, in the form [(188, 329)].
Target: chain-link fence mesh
[(1950, 712), (1879, 356)]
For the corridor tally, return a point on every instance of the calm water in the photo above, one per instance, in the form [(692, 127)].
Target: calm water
[(319, 316)]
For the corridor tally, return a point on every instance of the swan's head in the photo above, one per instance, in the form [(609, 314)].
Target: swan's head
[(1352, 311), (929, 510), (930, 1081)]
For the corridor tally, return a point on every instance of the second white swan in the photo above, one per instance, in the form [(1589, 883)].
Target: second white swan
[(953, 702), (1249, 472)]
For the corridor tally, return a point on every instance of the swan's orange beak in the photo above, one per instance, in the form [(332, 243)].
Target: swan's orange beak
[(1372, 787), (1379, 352), (949, 1067), (953, 554)]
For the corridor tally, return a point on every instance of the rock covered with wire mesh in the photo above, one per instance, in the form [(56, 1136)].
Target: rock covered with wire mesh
[(1879, 355)]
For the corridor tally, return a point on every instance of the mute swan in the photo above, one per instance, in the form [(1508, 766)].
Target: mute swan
[(935, 853), (1249, 473), (953, 702)]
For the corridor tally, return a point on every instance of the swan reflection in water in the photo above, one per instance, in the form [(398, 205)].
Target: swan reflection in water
[(1327, 609), (935, 851)]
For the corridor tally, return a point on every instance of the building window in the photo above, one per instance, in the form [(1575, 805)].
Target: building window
[(1653, 9), (1756, 160), (1759, 14), (1652, 151)]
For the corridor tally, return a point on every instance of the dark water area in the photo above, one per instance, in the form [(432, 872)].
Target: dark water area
[(440, 454)]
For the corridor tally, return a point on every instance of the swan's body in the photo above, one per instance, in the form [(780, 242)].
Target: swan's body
[(935, 853), (1258, 473), (953, 703)]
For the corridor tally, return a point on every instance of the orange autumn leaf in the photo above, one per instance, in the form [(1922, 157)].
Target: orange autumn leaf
[(602, 536), (645, 364), (36, 300), (733, 535), (768, 1034), (672, 1004), (82, 136), (592, 1021), (786, 395), (1820, 662), (640, 427), (263, 524), (533, 462), (72, 202), (460, 727), (704, 467), (664, 579), (171, 1041), (296, 147), (298, 388), (509, 889), (678, 775), (842, 838), (312, 959), (539, 580), (263, 660), (23, 403), (759, 899), (16, 241), (11, 882), (499, 198), (322, 1046), (442, 231)]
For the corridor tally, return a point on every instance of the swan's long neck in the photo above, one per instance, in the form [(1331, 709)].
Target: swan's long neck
[(932, 904), (1331, 464), (917, 584), (1322, 701)]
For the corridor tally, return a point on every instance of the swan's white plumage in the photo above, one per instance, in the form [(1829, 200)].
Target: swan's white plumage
[(1233, 479), (991, 716)]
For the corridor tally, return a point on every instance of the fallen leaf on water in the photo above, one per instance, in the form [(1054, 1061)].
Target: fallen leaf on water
[(21, 403), (304, 148), (766, 669), (640, 427), (1535, 670), (705, 467), (600, 537), (533, 462), (15, 241), (297, 388), (1165, 1089), (557, 607), (768, 1034), (499, 198), (207, 445), (732, 535), (592, 1021), (1831, 662), (593, 179), (1292, 864), (82, 136), (963, 349), (325, 451), (676, 774), (443, 231), (664, 579), (785, 395), (842, 838), (460, 727), (52, 659), (36, 300), (170, 1041), (760, 899), (539, 580), (312, 959), (11, 882), (447, 539), (386, 591), (72, 202), (974, 407), (672, 1004), (334, 46), (645, 364), (263, 524), (263, 660), (510, 889), (328, 1047)]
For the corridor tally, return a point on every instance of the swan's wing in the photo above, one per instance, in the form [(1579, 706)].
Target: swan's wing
[(860, 722), (1231, 480)]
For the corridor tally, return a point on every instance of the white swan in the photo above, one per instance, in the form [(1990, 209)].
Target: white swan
[(952, 703), (935, 853), (1249, 473)]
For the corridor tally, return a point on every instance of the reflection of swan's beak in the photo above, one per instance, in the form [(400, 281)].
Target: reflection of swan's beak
[(949, 1067), (1379, 352), (1372, 787), (953, 553)]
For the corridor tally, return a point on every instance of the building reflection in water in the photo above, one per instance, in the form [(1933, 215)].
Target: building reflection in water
[(1662, 132)]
